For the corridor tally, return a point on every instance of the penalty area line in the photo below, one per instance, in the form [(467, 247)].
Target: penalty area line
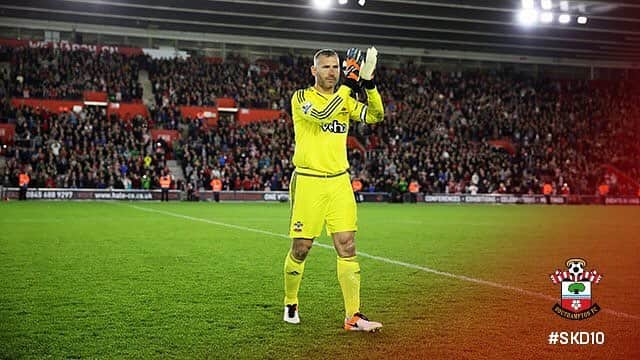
[(381, 259)]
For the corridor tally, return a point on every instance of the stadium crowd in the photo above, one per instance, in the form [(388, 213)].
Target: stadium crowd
[(199, 81), (439, 127), (437, 132), (83, 150), (48, 73), (252, 157)]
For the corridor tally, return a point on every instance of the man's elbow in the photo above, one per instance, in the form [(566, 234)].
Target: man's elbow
[(375, 117)]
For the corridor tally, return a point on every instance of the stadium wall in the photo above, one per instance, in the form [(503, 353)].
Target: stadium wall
[(89, 194)]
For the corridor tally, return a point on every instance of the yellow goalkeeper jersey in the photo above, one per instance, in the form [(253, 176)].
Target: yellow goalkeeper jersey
[(321, 125)]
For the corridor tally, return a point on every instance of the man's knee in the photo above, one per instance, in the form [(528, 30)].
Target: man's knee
[(345, 243), (300, 248)]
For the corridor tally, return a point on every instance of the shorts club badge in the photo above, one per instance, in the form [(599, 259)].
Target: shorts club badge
[(575, 282)]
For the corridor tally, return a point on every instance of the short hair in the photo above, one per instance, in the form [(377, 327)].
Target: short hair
[(323, 52)]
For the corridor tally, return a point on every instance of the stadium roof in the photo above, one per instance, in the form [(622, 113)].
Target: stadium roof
[(470, 26)]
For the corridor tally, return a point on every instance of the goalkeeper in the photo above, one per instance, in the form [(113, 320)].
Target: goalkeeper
[(320, 189)]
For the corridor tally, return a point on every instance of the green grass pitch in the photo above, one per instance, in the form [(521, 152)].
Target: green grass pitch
[(203, 280)]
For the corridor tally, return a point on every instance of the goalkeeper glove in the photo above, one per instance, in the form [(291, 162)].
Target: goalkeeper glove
[(351, 68), (352, 63), (368, 67)]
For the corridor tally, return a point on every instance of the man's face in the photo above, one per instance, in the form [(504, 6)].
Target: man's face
[(326, 71)]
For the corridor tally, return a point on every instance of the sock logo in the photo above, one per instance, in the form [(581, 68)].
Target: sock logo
[(297, 227), (294, 273), (335, 127)]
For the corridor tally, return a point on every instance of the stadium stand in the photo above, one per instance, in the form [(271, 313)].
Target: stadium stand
[(453, 132), (84, 150), (50, 74)]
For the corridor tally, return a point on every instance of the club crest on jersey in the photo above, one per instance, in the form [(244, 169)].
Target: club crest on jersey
[(306, 107), (334, 127), (576, 302)]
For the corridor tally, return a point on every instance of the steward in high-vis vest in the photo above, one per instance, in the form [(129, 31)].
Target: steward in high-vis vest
[(603, 191), (547, 190), (414, 189), (23, 181), (165, 185), (216, 186), (356, 186)]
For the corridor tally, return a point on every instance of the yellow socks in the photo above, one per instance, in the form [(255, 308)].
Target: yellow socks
[(293, 269), (349, 279)]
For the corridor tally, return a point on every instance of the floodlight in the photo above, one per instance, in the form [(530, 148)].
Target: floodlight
[(528, 17), (546, 17), (527, 4), (582, 20), (564, 18), (546, 4), (564, 5), (321, 4)]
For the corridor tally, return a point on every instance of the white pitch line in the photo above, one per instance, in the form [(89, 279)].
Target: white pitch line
[(385, 260)]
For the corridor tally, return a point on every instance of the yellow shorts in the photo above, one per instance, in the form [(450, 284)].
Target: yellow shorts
[(317, 199)]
